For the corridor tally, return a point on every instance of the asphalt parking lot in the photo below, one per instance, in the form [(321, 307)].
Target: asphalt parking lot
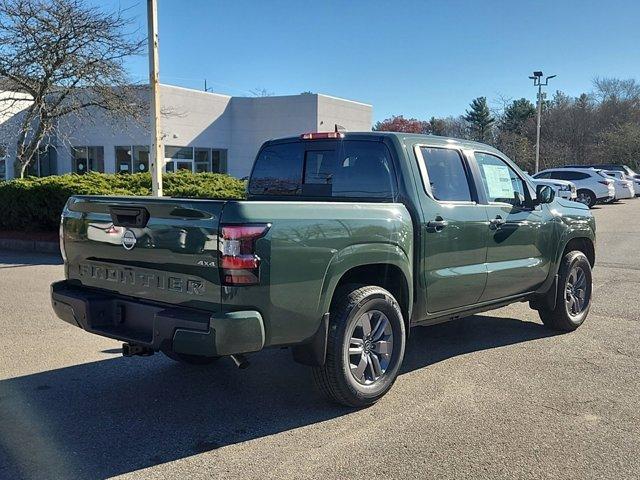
[(490, 396)]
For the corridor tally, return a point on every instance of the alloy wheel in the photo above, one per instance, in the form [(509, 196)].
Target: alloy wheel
[(584, 198), (370, 347), (576, 295)]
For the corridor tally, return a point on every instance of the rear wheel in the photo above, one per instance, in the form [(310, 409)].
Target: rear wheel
[(190, 359), (574, 294), (587, 197), (365, 347)]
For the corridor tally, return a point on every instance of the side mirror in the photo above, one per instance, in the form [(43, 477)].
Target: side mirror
[(544, 194)]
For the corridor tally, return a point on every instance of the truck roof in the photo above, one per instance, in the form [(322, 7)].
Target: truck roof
[(412, 138)]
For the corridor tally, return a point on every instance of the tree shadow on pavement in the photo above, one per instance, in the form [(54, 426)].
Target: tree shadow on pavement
[(110, 417)]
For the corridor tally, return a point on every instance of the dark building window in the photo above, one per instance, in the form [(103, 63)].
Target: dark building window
[(88, 159)]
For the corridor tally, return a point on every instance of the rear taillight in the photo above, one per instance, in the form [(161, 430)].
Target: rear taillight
[(239, 263), (63, 252)]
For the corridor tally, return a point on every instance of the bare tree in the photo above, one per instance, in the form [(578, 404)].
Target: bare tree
[(67, 59), (261, 92)]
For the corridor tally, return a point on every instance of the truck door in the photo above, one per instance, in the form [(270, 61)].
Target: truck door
[(454, 249), (519, 236)]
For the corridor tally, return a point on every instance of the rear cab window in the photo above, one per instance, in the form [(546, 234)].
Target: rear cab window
[(277, 170), (348, 169)]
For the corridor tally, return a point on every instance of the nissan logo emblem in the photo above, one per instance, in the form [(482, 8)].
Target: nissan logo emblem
[(129, 239)]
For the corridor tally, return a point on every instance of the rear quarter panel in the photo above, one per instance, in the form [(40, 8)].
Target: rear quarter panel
[(309, 246)]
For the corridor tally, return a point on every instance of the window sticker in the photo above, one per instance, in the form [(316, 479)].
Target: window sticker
[(498, 181)]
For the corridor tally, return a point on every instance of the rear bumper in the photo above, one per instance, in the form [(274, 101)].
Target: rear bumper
[(626, 193), (607, 198), (179, 329)]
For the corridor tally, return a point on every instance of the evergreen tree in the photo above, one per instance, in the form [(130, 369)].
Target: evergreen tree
[(480, 119), (516, 115), (438, 126)]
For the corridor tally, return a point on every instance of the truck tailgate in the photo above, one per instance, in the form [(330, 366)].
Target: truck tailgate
[(158, 249)]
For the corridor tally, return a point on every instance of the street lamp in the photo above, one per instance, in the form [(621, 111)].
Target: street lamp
[(537, 82)]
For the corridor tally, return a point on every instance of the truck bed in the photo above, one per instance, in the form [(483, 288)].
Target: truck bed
[(175, 259)]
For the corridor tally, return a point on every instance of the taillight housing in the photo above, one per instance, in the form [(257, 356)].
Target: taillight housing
[(239, 262), (63, 251), (322, 135)]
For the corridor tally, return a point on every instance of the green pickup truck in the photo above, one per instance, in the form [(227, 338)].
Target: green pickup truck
[(346, 240)]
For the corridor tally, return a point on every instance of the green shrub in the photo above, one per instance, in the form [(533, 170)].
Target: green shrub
[(36, 203)]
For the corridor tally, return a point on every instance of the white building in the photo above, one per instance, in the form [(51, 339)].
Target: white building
[(201, 131)]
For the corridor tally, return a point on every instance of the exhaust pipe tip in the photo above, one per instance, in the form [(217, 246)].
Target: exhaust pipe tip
[(240, 361)]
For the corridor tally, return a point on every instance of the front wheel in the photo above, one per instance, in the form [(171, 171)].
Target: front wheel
[(573, 299), (586, 197), (365, 347)]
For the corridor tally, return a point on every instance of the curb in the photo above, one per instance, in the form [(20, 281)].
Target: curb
[(37, 246)]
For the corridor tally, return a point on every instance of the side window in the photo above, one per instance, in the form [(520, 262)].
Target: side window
[(278, 170), (543, 175), (447, 176), (574, 176), (501, 182), (558, 175)]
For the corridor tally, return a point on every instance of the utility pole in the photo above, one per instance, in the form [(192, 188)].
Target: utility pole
[(156, 161), (537, 82)]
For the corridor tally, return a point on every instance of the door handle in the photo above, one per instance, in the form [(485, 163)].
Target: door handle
[(497, 222), (436, 225)]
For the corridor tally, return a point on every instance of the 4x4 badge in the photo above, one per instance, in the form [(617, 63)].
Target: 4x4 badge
[(206, 263), (129, 239)]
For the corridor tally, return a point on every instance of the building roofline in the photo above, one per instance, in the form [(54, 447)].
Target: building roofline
[(270, 96), (344, 99), (195, 90)]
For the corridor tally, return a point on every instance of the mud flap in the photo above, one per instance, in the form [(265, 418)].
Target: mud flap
[(547, 300), (314, 352)]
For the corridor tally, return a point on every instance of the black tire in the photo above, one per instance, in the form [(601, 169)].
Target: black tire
[(190, 359), (566, 317), (588, 196), (349, 310)]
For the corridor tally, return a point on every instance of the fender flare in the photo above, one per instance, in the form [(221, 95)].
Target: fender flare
[(313, 351), (361, 255), (551, 280)]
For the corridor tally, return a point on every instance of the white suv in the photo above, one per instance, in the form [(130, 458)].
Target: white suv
[(623, 184), (563, 188), (593, 186)]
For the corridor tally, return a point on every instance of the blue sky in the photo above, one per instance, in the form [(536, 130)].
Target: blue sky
[(416, 58)]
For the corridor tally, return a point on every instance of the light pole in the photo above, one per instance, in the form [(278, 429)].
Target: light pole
[(156, 148), (537, 82)]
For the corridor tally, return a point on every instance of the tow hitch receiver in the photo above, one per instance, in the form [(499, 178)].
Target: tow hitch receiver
[(131, 349)]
